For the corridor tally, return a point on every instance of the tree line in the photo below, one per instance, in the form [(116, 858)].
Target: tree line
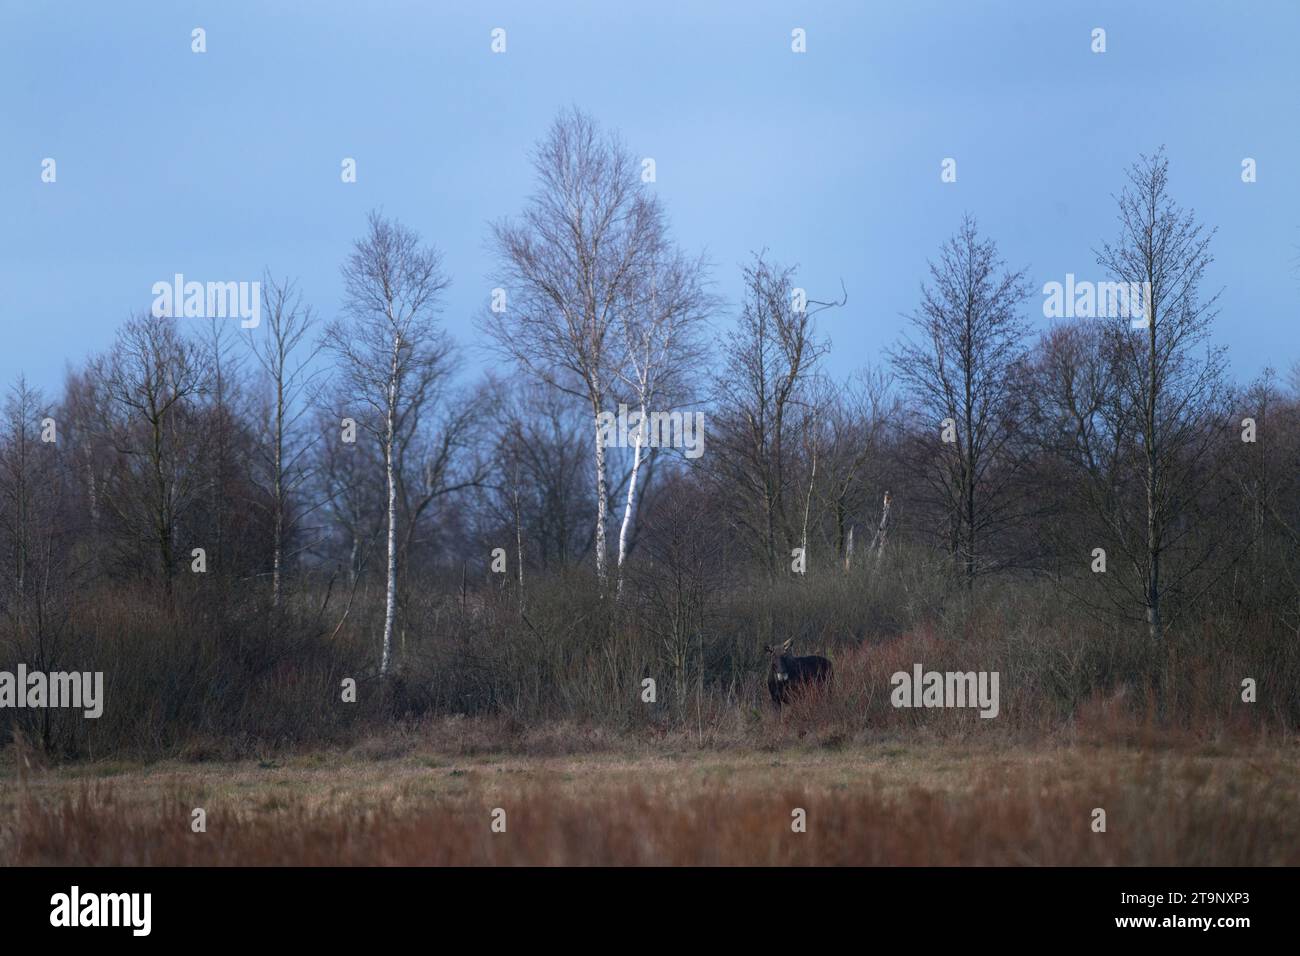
[(317, 467)]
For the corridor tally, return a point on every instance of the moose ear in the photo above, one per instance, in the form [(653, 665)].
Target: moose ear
[(788, 644), (767, 649)]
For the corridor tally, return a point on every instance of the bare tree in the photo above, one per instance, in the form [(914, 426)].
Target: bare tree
[(961, 375), (348, 481), (390, 351), (1087, 439), (150, 380), (768, 366), (286, 356), (39, 573), (851, 428), (1268, 475), (540, 446), (572, 263), (1170, 389), (20, 487), (678, 585), (224, 446)]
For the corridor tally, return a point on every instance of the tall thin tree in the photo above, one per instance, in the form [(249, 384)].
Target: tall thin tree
[(389, 347), (286, 355), (960, 373), (1168, 385)]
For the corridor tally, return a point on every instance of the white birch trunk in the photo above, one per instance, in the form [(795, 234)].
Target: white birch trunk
[(390, 598), (602, 571), (882, 532), (807, 506), (631, 497)]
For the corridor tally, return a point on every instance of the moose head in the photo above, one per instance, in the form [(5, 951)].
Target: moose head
[(781, 660)]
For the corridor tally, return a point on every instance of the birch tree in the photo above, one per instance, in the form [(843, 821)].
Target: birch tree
[(389, 348), (568, 266), (662, 348)]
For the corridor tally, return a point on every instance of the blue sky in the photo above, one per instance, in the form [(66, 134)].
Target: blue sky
[(219, 164)]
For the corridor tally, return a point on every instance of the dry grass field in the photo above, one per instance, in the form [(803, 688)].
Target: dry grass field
[(424, 798)]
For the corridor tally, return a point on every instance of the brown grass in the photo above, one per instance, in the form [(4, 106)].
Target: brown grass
[(895, 803)]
